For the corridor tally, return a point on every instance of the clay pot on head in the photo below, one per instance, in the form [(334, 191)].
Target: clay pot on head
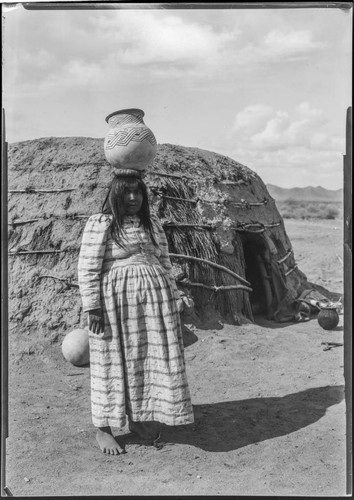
[(328, 318), (129, 144)]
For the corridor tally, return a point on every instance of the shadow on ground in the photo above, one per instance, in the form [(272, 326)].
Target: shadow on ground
[(231, 425), (261, 321)]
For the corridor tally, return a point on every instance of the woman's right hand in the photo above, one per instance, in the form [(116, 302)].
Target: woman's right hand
[(95, 321)]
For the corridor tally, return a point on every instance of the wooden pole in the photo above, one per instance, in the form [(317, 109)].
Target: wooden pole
[(4, 313), (29, 252), (347, 250), (216, 288), (33, 190), (210, 263)]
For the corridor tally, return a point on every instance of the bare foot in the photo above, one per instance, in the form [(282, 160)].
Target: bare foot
[(107, 442)]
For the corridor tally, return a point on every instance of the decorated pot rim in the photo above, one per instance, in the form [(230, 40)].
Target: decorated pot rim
[(127, 172), (127, 110)]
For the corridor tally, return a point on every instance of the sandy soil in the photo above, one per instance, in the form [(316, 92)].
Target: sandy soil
[(268, 400)]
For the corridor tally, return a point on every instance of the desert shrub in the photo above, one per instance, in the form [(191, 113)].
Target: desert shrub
[(314, 211), (293, 209), (303, 213), (331, 213), (287, 214), (291, 202)]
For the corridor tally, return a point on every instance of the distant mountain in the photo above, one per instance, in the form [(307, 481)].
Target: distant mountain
[(309, 193)]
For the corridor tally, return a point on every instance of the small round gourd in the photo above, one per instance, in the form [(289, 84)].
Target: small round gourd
[(328, 318), (75, 347)]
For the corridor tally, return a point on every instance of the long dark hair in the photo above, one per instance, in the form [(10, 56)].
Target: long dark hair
[(113, 204)]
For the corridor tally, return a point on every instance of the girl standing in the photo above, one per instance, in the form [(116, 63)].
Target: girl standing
[(136, 348)]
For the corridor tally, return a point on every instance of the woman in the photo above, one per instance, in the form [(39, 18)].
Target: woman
[(136, 347)]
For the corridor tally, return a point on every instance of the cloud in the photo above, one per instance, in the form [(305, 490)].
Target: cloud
[(252, 119), (64, 69), (267, 129), (288, 148), (289, 43), (108, 47), (123, 45), (298, 166), (145, 37), (285, 46)]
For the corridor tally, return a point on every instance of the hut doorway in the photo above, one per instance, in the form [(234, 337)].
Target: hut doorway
[(258, 272)]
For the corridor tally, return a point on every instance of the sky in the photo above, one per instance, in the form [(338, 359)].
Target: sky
[(268, 88)]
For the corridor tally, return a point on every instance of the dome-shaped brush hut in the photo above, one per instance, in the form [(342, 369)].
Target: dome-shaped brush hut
[(227, 240)]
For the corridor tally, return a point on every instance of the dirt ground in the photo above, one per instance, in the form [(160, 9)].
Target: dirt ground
[(268, 401)]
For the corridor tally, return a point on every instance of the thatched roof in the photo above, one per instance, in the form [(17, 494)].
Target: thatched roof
[(213, 208)]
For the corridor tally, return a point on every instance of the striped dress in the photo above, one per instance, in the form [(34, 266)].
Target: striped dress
[(137, 364)]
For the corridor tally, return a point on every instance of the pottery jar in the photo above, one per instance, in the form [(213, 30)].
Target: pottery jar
[(129, 143), (328, 318)]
